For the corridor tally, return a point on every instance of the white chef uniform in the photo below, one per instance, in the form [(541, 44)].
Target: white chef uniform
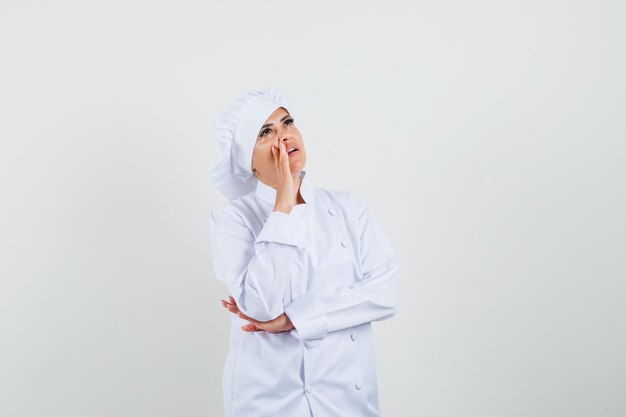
[(329, 268)]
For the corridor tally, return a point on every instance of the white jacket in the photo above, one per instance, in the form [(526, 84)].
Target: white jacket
[(329, 268)]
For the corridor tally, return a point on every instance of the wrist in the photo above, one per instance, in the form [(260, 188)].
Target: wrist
[(282, 208), (289, 323)]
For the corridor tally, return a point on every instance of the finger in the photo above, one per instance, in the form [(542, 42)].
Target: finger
[(285, 156), (250, 327), (269, 329), (233, 303), (280, 156), (267, 325), (250, 319), (275, 155), (230, 307), (276, 325)]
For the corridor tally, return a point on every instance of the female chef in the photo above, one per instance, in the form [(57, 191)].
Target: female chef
[(308, 269)]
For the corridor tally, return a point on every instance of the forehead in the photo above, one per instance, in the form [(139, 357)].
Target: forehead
[(276, 115)]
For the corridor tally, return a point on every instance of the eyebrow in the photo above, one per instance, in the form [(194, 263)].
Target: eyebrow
[(270, 124)]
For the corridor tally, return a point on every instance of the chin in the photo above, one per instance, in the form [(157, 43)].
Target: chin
[(297, 166)]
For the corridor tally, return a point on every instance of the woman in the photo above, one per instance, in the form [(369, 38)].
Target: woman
[(308, 269)]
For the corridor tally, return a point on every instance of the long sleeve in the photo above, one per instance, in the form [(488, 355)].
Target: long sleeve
[(256, 271), (372, 298)]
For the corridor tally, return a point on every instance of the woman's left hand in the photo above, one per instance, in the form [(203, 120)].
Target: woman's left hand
[(279, 324)]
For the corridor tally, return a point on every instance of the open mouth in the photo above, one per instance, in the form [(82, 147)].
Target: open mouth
[(292, 151)]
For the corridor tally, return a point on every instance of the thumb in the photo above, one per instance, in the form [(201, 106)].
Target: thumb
[(275, 156), (250, 327)]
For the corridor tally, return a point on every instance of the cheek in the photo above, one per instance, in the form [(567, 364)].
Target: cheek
[(262, 155)]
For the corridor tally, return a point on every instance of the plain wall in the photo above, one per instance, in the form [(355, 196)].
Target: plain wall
[(488, 139)]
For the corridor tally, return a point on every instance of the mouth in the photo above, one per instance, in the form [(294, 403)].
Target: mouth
[(292, 151)]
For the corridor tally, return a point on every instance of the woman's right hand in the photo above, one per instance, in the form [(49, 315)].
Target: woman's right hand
[(285, 195)]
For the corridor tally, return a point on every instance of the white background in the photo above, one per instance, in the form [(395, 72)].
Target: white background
[(487, 138)]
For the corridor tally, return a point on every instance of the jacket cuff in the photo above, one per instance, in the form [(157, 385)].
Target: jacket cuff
[(285, 228), (301, 313)]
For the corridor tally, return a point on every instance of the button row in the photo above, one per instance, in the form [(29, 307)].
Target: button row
[(331, 211)]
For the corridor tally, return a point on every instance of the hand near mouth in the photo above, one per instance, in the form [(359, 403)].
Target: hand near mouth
[(285, 195)]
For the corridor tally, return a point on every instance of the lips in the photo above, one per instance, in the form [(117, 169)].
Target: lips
[(293, 151)]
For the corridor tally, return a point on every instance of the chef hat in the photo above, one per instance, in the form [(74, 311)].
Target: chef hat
[(236, 131)]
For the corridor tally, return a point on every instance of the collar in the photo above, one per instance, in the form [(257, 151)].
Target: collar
[(268, 194)]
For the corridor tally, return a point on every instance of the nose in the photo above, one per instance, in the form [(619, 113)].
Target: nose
[(284, 136)]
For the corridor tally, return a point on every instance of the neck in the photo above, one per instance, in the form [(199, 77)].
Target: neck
[(297, 182), (299, 199)]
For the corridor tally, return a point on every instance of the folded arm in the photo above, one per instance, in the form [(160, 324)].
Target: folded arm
[(256, 271), (372, 298)]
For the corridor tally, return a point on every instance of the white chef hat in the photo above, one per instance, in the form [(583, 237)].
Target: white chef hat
[(236, 131)]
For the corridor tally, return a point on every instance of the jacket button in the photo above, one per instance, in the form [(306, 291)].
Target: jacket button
[(344, 243), (357, 385), (308, 388), (331, 211), (353, 336)]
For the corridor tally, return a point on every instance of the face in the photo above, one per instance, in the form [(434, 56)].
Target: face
[(279, 126)]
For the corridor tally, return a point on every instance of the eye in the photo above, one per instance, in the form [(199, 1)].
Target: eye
[(267, 130)]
